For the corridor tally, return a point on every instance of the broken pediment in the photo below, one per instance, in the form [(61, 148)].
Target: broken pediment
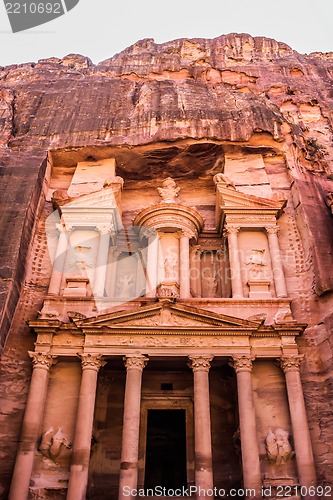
[(94, 209), (231, 198), (233, 204)]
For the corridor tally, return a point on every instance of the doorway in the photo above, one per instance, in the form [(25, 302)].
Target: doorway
[(166, 449)]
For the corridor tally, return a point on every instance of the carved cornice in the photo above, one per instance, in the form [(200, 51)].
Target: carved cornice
[(135, 362), (242, 363), (91, 361), (200, 363), (291, 363), (42, 359)]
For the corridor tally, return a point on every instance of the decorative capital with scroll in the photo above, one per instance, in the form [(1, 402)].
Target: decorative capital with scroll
[(291, 363), (91, 361), (42, 359), (135, 362), (242, 363), (200, 363)]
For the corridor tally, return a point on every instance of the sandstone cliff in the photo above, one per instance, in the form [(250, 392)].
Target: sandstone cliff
[(157, 108)]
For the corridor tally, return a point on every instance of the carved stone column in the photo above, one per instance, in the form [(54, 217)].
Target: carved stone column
[(301, 435), (59, 261), (235, 268), (131, 424), (247, 424), (195, 271), (78, 477), (31, 425), (278, 273), (102, 260), (152, 263), (184, 268), (202, 427)]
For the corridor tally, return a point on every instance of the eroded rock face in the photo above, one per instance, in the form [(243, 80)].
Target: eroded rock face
[(184, 108)]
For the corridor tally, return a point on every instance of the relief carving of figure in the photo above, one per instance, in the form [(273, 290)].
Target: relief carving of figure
[(211, 286), (278, 448), (126, 286), (170, 269), (169, 191), (256, 261), (224, 179), (52, 443), (81, 261)]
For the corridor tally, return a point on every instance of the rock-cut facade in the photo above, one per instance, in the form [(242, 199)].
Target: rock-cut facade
[(167, 273)]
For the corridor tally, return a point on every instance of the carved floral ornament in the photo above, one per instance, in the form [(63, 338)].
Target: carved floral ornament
[(242, 363), (291, 363), (42, 359), (200, 363), (135, 362), (91, 361), (272, 229), (231, 229)]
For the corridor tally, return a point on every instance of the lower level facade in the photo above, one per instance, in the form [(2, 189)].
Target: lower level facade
[(164, 396)]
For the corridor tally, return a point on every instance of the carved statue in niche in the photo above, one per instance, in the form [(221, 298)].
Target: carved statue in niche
[(278, 448), (126, 286), (256, 262), (170, 269), (81, 261), (52, 443), (224, 179), (169, 191), (211, 286)]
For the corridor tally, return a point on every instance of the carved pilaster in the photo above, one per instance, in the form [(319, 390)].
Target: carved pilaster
[(42, 359), (242, 363), (291, 363), (136, 362), (91, 361), (201, 363)]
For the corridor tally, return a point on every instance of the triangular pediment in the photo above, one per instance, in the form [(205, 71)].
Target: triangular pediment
[(231, 198), (166, 315)]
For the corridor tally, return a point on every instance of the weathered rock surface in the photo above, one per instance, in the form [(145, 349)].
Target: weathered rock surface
[(159, 109)]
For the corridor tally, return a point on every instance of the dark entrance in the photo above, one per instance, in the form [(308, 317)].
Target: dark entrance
[(166, 449)]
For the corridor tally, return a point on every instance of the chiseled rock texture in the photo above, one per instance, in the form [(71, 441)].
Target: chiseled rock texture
[(233, 91)]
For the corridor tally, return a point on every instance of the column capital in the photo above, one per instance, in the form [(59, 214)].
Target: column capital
[(242, 363), (186, 233), (148, 232), (291, 363), (200, 363), (272, 229), (61, 228), (91, 361), (42, 359), (106, 229), (231, 229), (135, 362)]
